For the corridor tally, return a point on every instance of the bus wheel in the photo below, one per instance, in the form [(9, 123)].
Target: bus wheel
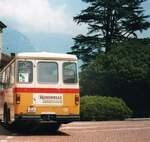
[(54, 127), (6, 115)]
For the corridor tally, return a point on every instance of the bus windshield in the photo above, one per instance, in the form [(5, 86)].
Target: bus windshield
[(47, 72)]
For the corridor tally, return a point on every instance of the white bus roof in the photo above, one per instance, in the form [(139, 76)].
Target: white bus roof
[(46, 55)]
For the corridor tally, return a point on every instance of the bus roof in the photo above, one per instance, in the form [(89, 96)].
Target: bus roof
[(46, 55)]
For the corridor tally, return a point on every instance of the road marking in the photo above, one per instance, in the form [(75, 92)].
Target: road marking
[(9, 137), (3, 140)]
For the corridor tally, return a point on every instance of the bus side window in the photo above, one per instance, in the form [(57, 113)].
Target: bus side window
[(7, 77), (12, 73), (3, 77), (1, 82), (1, 86)]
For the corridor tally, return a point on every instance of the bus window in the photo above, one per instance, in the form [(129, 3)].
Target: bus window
[(1, 86), (7, 76), (12, 74), (1, 82), (47, 72), (25, 72), (3, 77), (69, 72)]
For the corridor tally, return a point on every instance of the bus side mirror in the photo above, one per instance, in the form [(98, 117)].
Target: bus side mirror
[(1, 79)]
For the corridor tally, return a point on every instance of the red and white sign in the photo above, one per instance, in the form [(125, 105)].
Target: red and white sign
[(47, 99)]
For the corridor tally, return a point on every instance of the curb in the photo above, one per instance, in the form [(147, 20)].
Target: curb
[(137, 119)]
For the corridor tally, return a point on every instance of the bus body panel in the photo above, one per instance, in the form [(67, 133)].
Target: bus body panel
[(26, 100)]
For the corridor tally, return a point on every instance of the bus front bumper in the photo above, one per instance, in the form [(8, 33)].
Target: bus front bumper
[(49, 118)]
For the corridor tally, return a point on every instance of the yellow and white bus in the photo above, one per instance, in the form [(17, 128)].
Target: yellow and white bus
[(40, 86)]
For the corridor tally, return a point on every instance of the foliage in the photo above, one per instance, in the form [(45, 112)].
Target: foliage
[(124, 72), (103, 108), (109, 22)]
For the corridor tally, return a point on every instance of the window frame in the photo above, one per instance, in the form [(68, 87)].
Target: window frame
[(17, 79), (38, 72), (76, 73)]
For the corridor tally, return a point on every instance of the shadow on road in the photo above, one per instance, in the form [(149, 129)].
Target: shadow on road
[(36, 131)]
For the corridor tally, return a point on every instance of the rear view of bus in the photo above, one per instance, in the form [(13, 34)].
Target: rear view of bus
[(46, 88)]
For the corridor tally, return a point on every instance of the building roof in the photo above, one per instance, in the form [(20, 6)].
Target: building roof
[(2, 25), (46, 55)]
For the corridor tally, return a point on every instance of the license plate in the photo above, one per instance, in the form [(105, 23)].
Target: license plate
[(31, 109), (52, 113), (48, 99)]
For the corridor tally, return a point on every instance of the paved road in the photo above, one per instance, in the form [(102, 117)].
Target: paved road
[(117, 131)]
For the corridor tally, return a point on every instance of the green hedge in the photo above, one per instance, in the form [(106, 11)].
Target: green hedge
[(103, 108)]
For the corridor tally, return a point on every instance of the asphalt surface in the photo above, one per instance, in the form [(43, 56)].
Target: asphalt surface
[(116, 131)]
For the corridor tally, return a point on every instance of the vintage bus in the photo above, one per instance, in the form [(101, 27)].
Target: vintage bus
[(40, 87)]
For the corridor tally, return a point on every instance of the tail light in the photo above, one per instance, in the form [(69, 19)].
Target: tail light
[(77, 99), (17, 99)]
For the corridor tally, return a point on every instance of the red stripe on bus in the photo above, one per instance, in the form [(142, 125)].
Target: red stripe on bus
[(46, 90)]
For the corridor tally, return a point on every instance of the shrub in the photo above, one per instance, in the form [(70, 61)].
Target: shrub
[(103, 108)]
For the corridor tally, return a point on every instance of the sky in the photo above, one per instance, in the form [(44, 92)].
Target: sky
[(48, 24)]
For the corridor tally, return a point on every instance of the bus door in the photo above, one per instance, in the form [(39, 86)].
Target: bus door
[(47, 96)]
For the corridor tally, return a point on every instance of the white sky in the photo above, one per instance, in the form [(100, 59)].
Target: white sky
[(37, 16), (48, 24)]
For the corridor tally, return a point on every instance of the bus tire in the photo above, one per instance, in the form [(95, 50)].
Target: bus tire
[(55, 126), (6, 115)]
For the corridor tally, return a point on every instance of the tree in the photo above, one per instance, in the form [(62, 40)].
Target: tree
[(109, 22), (123, 72)]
